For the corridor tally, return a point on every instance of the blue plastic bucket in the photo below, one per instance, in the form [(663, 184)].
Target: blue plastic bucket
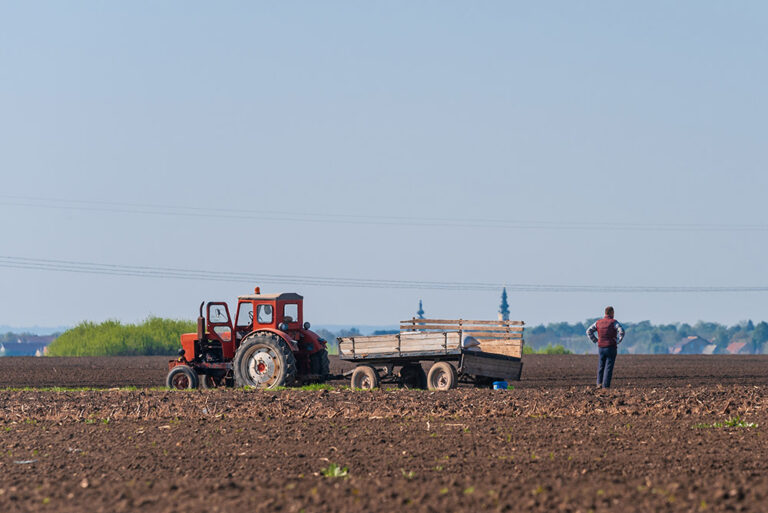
[(499, 385)]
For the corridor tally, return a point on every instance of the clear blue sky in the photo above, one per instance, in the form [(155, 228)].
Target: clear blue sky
[(568, 113)]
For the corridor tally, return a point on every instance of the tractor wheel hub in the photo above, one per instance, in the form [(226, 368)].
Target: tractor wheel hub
[(262, 366)]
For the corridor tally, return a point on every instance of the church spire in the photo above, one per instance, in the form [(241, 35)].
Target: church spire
[(504, 306), (420, 313)]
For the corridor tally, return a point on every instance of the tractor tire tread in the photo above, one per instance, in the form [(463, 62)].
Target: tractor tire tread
[(320, 363), (289, 375), (193, 380)]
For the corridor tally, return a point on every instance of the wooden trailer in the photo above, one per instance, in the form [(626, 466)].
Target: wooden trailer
[(467, 351)]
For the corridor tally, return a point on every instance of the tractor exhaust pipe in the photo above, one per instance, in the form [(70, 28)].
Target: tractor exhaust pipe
[(201, 324)]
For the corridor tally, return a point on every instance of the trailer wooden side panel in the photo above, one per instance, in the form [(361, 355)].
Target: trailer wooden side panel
[(418, 342), (512, 348), (400, 345), (492, 366), (379, 344)]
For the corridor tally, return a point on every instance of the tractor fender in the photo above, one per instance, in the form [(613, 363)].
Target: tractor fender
[(294, 347), (314, 339)]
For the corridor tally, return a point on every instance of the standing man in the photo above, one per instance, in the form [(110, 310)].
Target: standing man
[(609, 335)]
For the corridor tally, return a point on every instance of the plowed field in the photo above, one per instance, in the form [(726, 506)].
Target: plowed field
[(675, 434)]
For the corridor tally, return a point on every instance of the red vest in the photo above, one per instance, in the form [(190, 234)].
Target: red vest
[(606, 332)]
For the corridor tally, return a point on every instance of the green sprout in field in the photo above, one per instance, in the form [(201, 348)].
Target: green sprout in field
[(334, 470), (733, 422)]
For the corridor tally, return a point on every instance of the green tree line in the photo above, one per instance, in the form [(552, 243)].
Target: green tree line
[(157, 336), (646, 338), (548, 349), (154, 336)]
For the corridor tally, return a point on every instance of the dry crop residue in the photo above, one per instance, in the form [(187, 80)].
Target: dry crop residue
[(567, 449), (75, 406), (676, 434)]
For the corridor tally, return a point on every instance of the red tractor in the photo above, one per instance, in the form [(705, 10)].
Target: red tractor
[(268, 346)]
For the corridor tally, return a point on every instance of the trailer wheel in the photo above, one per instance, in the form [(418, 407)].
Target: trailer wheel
[(442, 376), (182, 377), (365, 377), (413, 376), (264, 361)]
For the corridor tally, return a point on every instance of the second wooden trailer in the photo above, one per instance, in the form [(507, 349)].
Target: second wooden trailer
[(467, 351)]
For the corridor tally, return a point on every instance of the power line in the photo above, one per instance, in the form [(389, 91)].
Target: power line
[(326, 218), (40, 264)]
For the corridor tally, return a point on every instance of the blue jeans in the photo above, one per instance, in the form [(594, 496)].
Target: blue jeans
[(605, 365)]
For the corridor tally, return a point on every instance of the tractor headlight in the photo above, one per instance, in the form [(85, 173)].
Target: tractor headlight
[(283, 326), (306, 325)]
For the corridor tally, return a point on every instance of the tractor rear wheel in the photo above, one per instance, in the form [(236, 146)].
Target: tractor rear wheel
[(182, 377), (365, 377), (319, 363), (442, 376), (264, 361)]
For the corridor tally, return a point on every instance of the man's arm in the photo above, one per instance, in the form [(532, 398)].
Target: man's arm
[(591, 333), (619, 332)]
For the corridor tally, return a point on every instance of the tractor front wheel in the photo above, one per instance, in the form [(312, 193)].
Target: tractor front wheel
[(182, 377), (264, 361)]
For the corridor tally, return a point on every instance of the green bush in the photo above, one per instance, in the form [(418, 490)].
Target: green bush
[(549, 349), (155, 336)]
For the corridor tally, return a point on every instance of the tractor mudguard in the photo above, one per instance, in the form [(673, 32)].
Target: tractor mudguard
[(314, 339), (294, 347)]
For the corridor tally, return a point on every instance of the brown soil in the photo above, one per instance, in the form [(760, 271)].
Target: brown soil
[(552, 444), (538, 371)]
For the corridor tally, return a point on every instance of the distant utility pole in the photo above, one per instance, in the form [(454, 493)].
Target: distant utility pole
[(504, 306), (420, 313)]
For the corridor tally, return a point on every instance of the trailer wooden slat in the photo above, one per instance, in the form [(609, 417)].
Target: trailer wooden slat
[(461, 321), (493, 334), (463, 327), (501, 335), (511, 336)]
